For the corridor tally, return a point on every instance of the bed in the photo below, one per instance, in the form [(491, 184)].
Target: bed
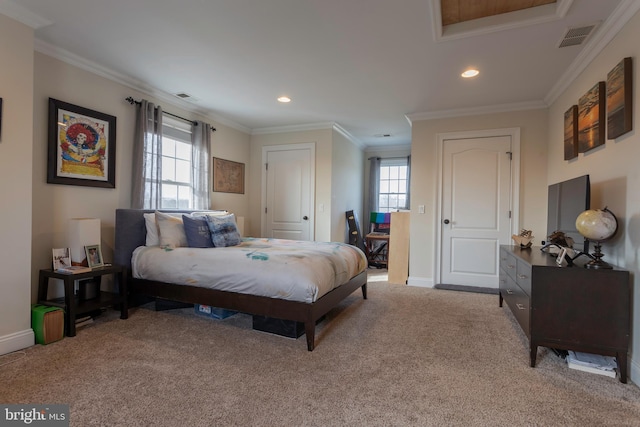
[(303, 307)]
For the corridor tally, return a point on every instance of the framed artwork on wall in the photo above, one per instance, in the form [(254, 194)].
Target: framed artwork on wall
[(228, 176), (571, 133), (619, 99), (82, 146), (591, 118)]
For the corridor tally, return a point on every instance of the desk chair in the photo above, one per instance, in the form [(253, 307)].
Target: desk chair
[(377, 241)]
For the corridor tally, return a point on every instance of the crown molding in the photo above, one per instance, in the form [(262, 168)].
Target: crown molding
[(20, 14), (386, 148), (293, 128), (475, 111), (90, 66), (596, 44), (355, 141)]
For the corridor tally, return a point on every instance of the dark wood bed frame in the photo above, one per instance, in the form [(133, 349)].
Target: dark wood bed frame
[(131, 233)]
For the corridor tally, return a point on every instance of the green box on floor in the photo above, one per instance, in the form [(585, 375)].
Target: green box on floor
[(47, 323)]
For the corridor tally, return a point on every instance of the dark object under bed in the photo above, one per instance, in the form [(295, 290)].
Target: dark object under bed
[(131, 233)]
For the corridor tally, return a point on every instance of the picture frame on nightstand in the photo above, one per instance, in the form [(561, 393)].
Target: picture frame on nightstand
[(94, 256)]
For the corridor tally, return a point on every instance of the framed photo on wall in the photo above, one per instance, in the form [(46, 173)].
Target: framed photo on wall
[(591, 118), (619, 99), (228, 176), (82, 146), (571, 133)]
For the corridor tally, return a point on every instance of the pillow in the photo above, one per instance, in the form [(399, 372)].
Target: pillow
[(153, 238), (171, 230), (224, 231), (197, 232)]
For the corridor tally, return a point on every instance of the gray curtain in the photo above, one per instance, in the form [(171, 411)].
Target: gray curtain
[(374, 189), (147, 157), (201, 139), (408, 206)]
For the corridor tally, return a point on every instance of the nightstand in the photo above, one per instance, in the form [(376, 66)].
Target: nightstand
[(73, 305)]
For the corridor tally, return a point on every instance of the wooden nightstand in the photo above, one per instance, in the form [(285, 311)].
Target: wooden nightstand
[(73, 305)]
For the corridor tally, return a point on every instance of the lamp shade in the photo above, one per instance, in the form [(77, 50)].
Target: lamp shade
[(82, 232)]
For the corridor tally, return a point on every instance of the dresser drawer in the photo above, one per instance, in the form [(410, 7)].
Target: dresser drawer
[(523, 276), (508, 262), (518, 302)]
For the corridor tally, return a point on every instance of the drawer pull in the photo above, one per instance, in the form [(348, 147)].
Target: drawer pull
[(509, 291), (510, 266), (520, 307), (522, 276)]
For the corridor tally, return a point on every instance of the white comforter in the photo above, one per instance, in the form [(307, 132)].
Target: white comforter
[(276, 268)]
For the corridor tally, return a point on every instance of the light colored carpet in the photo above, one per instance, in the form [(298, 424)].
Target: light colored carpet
[(407, 356)]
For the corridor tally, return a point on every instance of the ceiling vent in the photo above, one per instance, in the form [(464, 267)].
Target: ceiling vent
[(183, 95), (577, 35)]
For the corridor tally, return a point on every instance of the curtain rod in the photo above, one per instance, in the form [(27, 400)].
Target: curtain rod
[(132, 101), (387, 158)]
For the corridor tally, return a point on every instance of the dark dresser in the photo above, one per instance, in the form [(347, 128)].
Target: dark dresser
[(567, 307)]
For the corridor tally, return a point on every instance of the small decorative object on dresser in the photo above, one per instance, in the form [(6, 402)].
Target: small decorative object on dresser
[(523, 239), (597, 225)]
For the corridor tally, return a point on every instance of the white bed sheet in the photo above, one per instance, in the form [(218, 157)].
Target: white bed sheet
[(276, 268)]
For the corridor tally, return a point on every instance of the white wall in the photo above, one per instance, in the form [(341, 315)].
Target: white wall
[(347, 184), (16, 148), (613, 168), (424, 180), (54, 204)]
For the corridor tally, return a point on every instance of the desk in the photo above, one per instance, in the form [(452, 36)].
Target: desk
[(72, 304), (377, 249)]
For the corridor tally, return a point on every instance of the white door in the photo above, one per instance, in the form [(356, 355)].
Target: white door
[(475, 209), (288, 191)]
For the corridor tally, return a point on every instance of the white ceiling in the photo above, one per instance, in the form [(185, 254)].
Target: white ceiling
[(369, 66)]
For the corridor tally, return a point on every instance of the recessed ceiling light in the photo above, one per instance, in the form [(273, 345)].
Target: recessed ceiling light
[(470, 73), (284, 99)]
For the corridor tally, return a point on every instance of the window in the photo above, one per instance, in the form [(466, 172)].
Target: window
[(176, 165), (393, 185)]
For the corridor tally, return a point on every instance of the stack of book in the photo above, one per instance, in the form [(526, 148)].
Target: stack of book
[(594, 363), (73, 269)]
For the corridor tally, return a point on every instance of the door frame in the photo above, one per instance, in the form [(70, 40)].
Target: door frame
[(514, 133), (311, 146)]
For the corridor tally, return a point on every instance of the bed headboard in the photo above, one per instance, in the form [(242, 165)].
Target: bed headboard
[(131, 232)]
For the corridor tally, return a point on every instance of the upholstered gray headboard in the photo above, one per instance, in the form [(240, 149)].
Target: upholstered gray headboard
[(131, 233)]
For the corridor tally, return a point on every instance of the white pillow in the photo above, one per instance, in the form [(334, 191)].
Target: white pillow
[(153, 238), (171, 230)]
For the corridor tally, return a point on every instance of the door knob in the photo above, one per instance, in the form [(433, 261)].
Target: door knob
[(305, 217), (446, 221)]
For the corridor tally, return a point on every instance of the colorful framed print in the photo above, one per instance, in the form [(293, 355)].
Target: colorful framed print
[(228, 176), (591, 118), (619, 99), (82, 146), (571, 133)]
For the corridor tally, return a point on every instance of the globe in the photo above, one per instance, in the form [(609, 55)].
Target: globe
[(597, 225)]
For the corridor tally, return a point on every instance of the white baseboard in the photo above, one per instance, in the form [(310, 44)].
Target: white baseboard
[(634, 372), (421, 282), (17, 341)]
